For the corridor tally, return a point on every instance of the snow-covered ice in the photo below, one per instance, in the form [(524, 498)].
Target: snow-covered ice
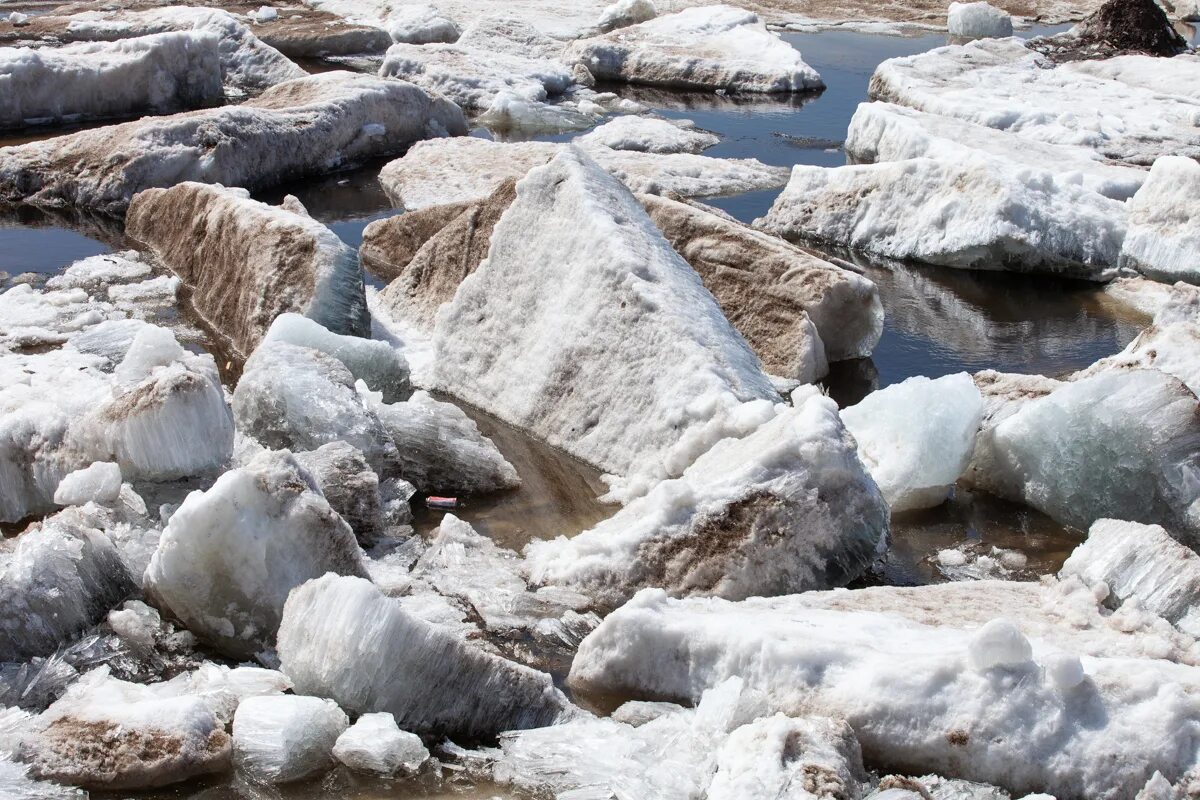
[(342, 638), (623, 13), (1141, 563), (99, 483), (152, 74), (978, 20), (283, 738), (1163, 241), (309, 125), (650, 135), (709, 47), (787, 508), (974, 212), (263, 529), (916, 437), (375, 744), (619, 356), (416, 23), (468, 168), (248, 262)]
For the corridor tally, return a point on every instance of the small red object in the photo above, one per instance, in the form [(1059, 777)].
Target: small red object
[(441, 502)]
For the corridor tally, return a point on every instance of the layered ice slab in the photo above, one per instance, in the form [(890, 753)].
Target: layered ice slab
[(925, 682), (284, 738), (916, 437), (229, 556), (1005, 84), (619, 355), (1118, 444), (58, 580), (787, 508), (711, 47), (153, 74), (342, 638), (766, 287), (1141, 563), (888, 132), (309, 125), (974, 212), (722, 749), (1163, 241), (469, 169), (248, 262)]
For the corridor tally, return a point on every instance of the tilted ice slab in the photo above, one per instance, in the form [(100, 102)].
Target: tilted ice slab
[(229, 556), (310, 125), (152, 74), (1003, 84), (1163, 241), (717, 750), (973, 212), (978, 20), (1144, 564), (248, 65), (712, 47), (650, 135), (916, 437), (58, 580), (248, 262), (108, 734), (1118, 445), (619, 355), (284, 738), (888, 132), (787, 508), (467, 168), (957, 700), (342, 638)]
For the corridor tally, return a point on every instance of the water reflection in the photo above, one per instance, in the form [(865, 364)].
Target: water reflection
[(48, 240)]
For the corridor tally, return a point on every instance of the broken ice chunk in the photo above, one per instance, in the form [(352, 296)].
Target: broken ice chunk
[(1164, 233), (99, 483), (349, 485), (650, 135), (375, 744), (977, 21), (229, 556), (415, 23), (285, 738), (342, 638), (916, 437), (624, 13)]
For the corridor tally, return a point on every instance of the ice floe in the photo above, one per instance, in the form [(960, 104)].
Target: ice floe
[(650, 135)]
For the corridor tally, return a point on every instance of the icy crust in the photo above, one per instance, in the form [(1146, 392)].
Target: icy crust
[(717, 750), (377, 364), (712, 47), (108, 734), (154, 74), (981, 703), (283, 738), (977, 21), (889, 132), (469, 169), (787, 508), (766, 286), (1163, 241), (416, 23), (248, 262), (1003, 84), (976, 212), (557, 353), (375, 744), (264, 529), (916, 437), (58, 580), (650, 135), (1119, 445), (248, 65), (309, 125), (1141, 564), (342, 638)]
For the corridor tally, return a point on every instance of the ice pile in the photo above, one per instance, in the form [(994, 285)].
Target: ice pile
[(342, 638), (710, 47), (248, 262), (977, 21), (283, 738), (916, 437), (152, 74), (309, 125), (556, 353), (787, 508), (263, 529)]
